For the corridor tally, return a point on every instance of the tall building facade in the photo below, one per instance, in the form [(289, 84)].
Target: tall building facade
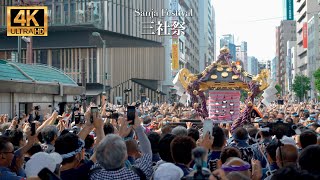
[(228, 41), (131, 59), (253, 65), (261, 65), (242, 54), (289, 66), (268, 65), (214, 32), (168, 44), (274, 69), (206, 34), (294, 70), (197, 46), (192, 36), (313, 51), (287, 33), (305, 10), (278, 53)]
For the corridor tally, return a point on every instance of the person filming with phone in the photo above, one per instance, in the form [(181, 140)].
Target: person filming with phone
[(112, 153), (71, 147)]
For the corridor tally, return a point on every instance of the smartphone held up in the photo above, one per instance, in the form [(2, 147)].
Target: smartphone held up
[(207, 127), (33, 129), (94, 111), (131, 113)]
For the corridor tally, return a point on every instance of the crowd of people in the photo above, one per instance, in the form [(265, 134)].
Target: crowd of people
[(163, 142)]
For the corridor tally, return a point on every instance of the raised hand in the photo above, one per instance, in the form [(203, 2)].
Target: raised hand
[(206, 141), (124, 129)]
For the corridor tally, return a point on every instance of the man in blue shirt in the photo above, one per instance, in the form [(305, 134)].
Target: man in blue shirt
[(240, 137), (217, 146), (6, 156), (271, 149)]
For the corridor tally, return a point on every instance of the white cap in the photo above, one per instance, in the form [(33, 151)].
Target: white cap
[(288, 140), (41, 160), (168, 171)]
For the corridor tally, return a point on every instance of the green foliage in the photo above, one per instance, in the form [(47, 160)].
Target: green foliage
[(279, 89), (301, 86), (316, 75)]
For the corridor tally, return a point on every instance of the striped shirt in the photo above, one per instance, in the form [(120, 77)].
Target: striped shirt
[(144, 163)]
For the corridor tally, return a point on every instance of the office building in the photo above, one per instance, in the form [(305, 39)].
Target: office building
[(268, 65), (277, 53), (242, 54), (313, 51), (228, 41), (192, 36), (274, 69), (261, 65), (287, 33), (132, 63), (214, 28), (206, 34), (305, 10), (289, 66), (253, 65), (197, 47)]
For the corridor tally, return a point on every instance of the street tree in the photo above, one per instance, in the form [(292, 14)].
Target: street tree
[(301, 85), (316, 75)]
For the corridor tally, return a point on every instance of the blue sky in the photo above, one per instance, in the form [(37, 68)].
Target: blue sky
[(253, 21)]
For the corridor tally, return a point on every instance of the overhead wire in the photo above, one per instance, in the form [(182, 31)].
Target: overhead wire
[(115, 3)]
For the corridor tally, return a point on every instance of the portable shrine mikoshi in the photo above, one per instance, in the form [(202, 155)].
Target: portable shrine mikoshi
[(223, 80)]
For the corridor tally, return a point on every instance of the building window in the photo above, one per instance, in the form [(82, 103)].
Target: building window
[(56, 58), (72, 11), (66, 12), (43, 56), (57, 13), (181, 46)]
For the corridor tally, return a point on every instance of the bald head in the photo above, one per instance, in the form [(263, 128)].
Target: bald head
[(234, 161), (288, 155), (237, 176)]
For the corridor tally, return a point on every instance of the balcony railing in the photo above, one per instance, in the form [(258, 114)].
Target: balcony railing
[(75, 13)]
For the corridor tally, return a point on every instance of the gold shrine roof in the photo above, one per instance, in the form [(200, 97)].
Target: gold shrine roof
[(223, 75)]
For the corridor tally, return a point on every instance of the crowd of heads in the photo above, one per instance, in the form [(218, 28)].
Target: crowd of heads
[(163, 141)]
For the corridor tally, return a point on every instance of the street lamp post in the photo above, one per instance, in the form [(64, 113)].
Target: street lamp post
[(96, 34), (158, 95), (126, 92)]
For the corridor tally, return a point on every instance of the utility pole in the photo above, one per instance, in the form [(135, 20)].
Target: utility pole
[(84, 83), (30, 51), (19, 44), (104, 62), (19, 49)]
